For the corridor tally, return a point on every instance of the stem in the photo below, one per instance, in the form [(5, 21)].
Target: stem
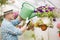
[(51, 22), (59, 30)]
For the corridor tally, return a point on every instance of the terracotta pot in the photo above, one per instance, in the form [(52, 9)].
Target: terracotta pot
[(43, 27)]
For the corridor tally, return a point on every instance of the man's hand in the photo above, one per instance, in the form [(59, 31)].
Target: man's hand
[(19, 17), (24, 28)]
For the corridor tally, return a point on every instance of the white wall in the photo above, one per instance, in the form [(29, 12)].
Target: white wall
[(56, 3)]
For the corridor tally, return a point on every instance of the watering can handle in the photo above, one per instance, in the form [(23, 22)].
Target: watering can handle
[(27, 3)]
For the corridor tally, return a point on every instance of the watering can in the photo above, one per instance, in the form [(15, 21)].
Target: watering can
[(26, 10)]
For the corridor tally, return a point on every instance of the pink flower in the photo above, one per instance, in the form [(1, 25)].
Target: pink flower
[(15, 14), (58, 25)]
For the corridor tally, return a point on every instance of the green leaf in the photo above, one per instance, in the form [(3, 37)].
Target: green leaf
[(50, 14), (39, 14), (44, 14)]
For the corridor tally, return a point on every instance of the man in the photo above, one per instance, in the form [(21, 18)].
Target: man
[(9, 31)]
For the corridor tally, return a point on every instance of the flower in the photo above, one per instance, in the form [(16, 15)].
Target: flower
[(15, 14), (41, 11), (58, 25), (46, 11), (44, 6), (40, 7), (35, 10), (51, 8), (59, 33)]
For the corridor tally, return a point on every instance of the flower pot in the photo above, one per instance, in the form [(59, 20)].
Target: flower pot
[(15, 14), (43, 27)]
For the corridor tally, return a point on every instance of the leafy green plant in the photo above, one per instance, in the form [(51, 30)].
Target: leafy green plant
[(1, 18), (3, 2)]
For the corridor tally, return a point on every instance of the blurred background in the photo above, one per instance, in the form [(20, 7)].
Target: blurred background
[(50, 33)]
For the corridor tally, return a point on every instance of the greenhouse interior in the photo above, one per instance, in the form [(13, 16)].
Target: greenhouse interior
[(29, 19)]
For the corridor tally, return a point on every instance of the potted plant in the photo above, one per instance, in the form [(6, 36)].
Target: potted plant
[(46, 12), (2, 2), (43, 27), (58, 26)]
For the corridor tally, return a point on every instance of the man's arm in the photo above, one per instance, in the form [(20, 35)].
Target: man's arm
[(11, 29), (16, 21)]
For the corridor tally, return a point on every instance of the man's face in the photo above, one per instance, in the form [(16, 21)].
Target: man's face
[(11, 15)]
